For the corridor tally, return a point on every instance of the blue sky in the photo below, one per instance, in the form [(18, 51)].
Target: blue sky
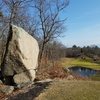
[(83, 23)]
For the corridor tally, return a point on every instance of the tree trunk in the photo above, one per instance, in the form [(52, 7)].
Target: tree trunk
[(41, 53)]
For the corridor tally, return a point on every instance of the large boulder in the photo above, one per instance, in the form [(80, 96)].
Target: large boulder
[(21, 59)]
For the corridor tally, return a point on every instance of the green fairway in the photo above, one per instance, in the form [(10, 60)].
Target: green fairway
[(71, 90), (68, 62)]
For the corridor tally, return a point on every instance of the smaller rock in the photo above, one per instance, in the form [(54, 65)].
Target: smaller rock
[(6, 89), (70, 77), (20, 78), (66, 69), (1, 82)]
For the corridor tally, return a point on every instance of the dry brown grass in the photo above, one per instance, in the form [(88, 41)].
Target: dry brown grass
[(50, 70)]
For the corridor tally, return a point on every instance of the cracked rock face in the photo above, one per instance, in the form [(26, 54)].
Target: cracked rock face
[(21, 57)]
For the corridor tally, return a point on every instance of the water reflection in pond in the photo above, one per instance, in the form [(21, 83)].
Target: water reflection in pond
[(83, 71)]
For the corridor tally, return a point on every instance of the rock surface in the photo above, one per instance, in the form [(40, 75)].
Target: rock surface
[(22, 56)]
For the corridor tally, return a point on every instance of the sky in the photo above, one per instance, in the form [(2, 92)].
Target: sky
[(83, 23)]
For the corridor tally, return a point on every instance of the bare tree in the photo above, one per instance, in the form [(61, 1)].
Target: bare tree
[(45, 20), (50, 23), (17, 12), (14, 15)]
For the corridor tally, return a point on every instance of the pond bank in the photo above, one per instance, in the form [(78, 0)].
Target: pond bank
[(83, 71)]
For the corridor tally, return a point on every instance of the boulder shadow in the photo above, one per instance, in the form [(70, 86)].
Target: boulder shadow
[(32, 93)]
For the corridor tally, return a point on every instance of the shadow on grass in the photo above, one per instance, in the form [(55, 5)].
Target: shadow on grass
[(31, 93)]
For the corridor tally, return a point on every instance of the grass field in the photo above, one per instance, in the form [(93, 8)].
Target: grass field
[(72, 90), (67, 62)]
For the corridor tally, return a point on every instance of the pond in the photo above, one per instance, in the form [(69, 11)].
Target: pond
[(83, 71)]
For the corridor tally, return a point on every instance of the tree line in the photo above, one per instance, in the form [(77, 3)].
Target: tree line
[(86, 51)]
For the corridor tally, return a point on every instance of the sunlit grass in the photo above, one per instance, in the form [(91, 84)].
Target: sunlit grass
[(72, 90), (67, 62)]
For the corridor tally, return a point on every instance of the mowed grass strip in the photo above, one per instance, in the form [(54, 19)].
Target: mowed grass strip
[(72, 90), (68, 62)]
